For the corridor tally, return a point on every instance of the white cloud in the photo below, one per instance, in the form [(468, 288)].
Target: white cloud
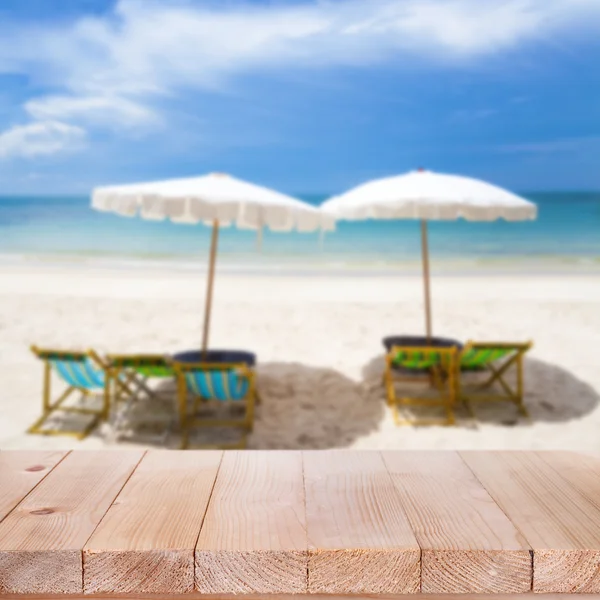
[(110, 111), (40, 138), (112, 70), (147, 47)]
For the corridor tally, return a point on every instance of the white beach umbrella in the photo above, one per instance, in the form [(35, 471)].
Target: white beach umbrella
[(427, 196), (216, 199)]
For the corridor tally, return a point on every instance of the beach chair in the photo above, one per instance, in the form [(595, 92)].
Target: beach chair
[(83, 372), (495, 361), (217, 386), (436, 367), (135, 371)]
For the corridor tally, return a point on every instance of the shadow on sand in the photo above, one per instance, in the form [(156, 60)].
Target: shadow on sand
[(311, 407), (552, 394), (301, 407)]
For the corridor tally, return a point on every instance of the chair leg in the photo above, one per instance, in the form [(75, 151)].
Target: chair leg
[(80, 407), (520, 388), (191, 420), (250, 413), (497, 376), (106, 404), (36, 427), (46, 391), (398, 420), (49, 407), (445, 382), (388, 379), (451, 397), (182, 402), (251, 401)]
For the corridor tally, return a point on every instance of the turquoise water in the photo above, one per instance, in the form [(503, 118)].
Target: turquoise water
[(567, 229)]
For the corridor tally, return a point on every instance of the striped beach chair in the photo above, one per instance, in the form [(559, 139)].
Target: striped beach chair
[(135, 371), (215, 385), (436, 368), (83, 372), (497, 361)]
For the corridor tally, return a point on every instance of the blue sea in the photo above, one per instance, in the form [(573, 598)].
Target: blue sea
[(566, 236)]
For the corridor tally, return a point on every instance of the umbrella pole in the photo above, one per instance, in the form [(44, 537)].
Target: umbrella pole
[(425, 257), (259, 239), (209, 286)]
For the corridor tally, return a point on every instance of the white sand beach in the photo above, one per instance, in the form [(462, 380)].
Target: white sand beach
[(318, 342)]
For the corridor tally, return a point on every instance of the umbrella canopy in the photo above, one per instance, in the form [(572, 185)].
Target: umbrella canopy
[(430, 196), (427, 196), (216, 199), (212, 197)]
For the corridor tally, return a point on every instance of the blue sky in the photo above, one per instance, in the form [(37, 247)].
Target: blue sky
[(306, 96)]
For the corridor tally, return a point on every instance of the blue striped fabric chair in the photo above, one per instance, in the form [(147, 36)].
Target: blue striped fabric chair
[(215, 384), (82, 372), (79, 373)]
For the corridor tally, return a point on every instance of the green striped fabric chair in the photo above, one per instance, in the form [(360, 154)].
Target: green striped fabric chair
[(135, 371), (434, 366), (418, 359), (215, 384), (82, 372), (497, 360)]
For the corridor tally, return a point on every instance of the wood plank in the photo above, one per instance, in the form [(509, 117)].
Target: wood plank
[(21, 471), (41, 540), (199, 596), (468, 544), (253, 539), (580, 470), (559, 522), (359, 539), (145, 543)]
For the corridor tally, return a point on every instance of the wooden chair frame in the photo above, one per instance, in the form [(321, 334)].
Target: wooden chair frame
[(49, 406), (440, 376), (124, 368), (496, 372), (188, 422)]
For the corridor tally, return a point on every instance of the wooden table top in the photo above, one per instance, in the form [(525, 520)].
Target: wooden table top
[(284, 522)]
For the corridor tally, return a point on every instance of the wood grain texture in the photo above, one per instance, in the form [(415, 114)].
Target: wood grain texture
[(20, 472), (146, 541), (332, 522), (254, 535), (559, 522), (200, 596), (580, 470), (41, 540), (359, 539), (468, 544)]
